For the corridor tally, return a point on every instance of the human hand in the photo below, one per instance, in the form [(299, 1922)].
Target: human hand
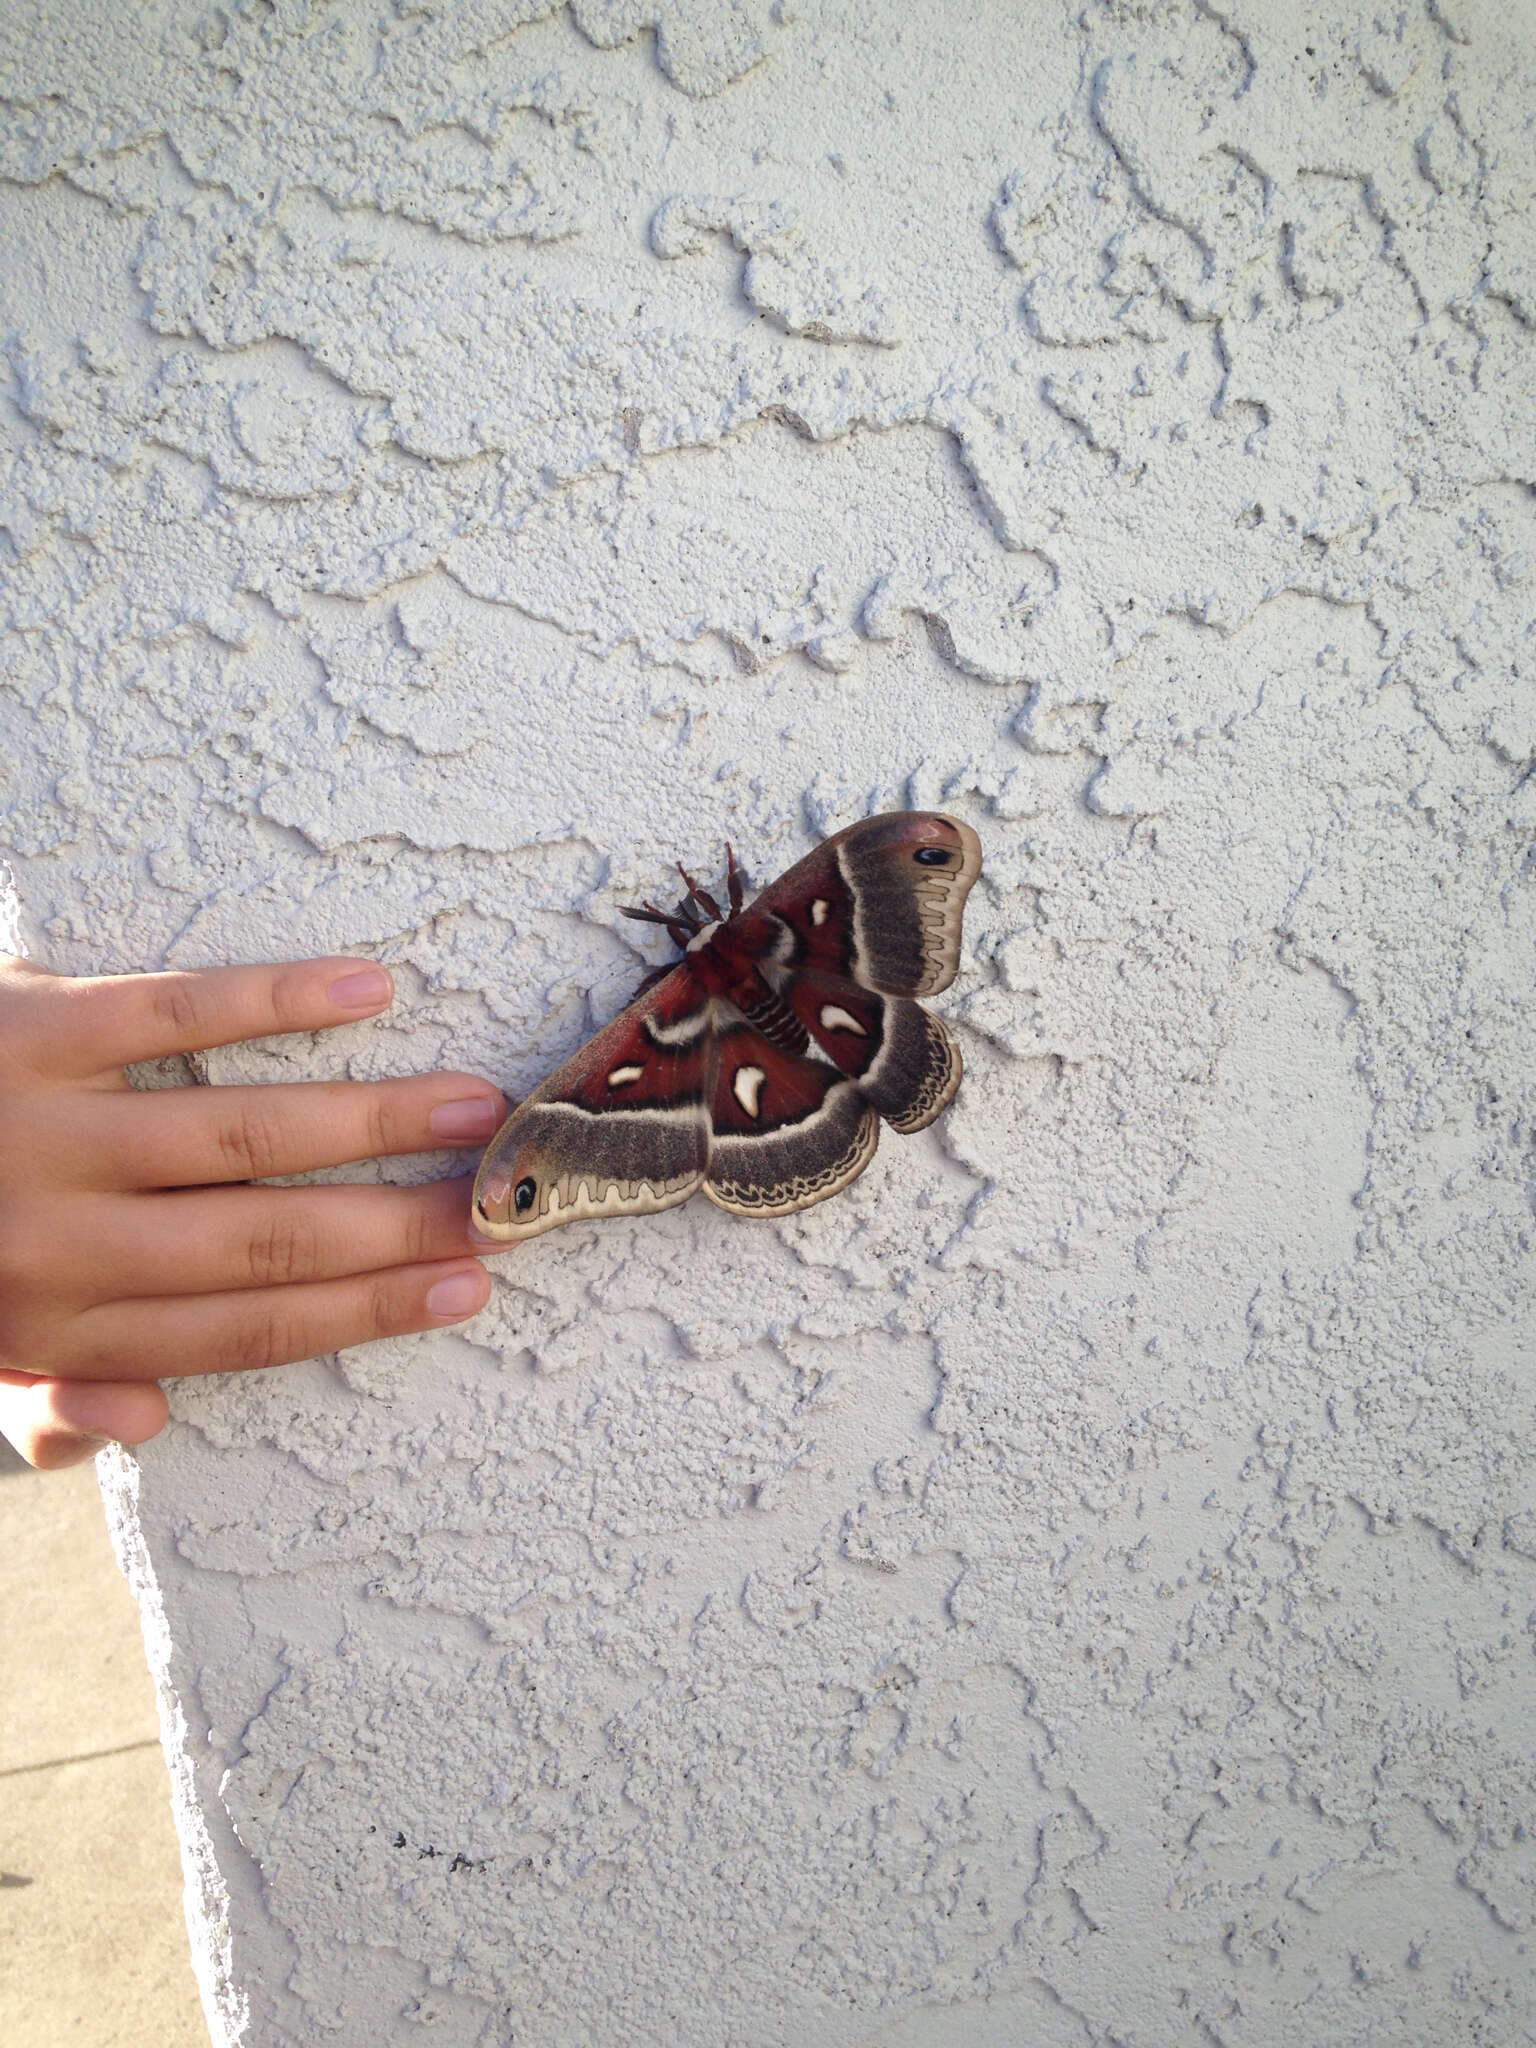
[(132, 1247)]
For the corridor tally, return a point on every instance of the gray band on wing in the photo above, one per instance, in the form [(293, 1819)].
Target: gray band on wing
[(918, 1068), (907, 919), (565, 1145), (771, 1174)]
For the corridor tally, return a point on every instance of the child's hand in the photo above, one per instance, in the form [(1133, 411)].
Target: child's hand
[(132, 1247)]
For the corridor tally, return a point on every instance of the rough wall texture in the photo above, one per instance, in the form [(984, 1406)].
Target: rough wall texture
[(1077, 1586)]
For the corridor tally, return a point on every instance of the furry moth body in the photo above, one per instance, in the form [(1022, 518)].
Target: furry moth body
[(760, 1066)]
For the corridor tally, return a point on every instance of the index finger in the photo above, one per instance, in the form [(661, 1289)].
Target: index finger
[(94, 1022)]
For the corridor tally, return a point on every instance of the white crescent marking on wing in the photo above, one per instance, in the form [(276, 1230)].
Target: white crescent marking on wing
[(747, 1087), (819, 911), (835, 1019), (622, 1076)]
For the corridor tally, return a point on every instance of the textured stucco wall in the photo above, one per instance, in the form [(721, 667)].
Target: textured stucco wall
[(1078, 1585)]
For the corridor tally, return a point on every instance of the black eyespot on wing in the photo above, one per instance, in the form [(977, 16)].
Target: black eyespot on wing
[(933, 856), (523, 1194)]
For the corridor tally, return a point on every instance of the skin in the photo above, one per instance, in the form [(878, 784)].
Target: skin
[(133, 1245)]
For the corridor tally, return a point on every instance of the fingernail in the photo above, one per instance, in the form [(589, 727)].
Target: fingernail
[(472, 1116), (369, 990), (460, 1295)]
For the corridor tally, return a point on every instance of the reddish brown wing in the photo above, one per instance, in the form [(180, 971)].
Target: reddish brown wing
[(621, 1129), (680, 1092), (905, 1062), (881, 903), (787, 1131)]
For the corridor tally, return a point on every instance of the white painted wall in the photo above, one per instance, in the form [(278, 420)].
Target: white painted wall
[(1077, 1586)]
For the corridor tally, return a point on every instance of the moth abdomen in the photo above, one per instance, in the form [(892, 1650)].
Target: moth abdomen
[(770, 1015)]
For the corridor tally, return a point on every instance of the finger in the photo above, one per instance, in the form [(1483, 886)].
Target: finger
[(87, 1024), (214, 1241), (204, 1333), (62, 1422), (190, 1137)]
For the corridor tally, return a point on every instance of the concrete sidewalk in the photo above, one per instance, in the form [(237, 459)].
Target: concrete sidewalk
[(93, 1947)]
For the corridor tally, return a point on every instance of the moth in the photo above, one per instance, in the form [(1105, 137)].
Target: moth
[(759, 1067)]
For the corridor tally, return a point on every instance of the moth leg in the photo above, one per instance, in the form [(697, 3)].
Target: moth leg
[(733, 881), (702, 897)]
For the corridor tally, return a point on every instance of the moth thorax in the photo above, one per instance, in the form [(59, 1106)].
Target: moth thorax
[(702, 937), (777, 1022)]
